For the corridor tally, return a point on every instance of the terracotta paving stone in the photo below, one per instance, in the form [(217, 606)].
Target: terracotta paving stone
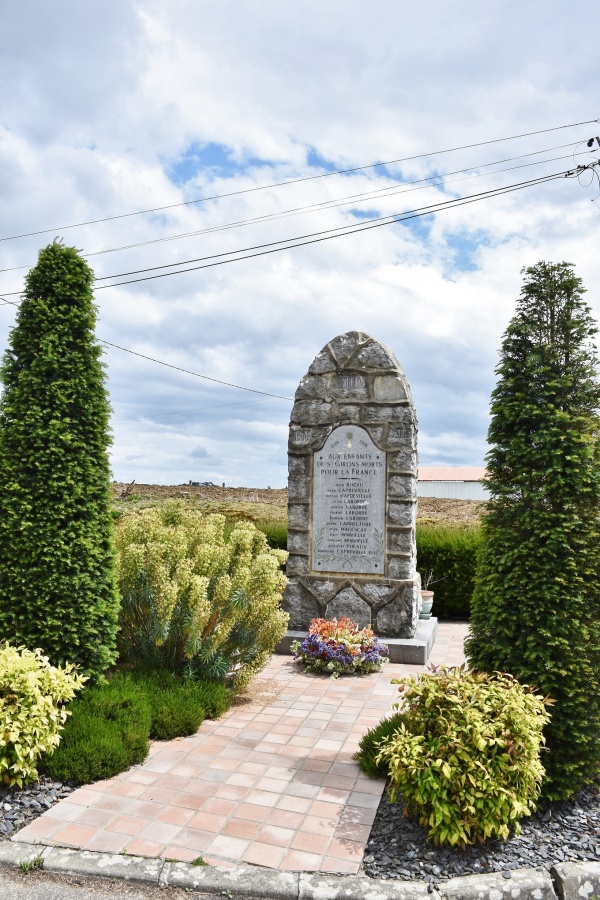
[(144, 848), (271, 785), (107, 842), (127, 824), (259, 854)]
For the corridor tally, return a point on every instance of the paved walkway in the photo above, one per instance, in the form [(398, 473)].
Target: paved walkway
[(272, 782)]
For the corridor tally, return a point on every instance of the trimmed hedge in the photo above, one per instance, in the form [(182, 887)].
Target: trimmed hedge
[(110, 725), (451, 551)]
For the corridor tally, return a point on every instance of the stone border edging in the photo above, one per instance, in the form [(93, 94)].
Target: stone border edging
[(567, 881)]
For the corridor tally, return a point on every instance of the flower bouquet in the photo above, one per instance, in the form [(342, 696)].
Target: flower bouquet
[(340, 648)]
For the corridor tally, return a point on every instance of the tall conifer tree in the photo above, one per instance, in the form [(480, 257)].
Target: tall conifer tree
[(57, 586), (535, 611)]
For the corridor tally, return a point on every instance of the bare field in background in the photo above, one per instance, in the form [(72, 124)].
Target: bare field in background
[(269, 505)]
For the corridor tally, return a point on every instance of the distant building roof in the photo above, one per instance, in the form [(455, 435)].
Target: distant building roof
[(451, 473)]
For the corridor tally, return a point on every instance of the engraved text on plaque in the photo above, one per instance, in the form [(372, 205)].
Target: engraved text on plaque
[(348, 508)]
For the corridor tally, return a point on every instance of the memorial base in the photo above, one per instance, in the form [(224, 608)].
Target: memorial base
[(413, 651)]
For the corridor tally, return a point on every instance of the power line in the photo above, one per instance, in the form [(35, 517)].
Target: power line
[(326, 234), (391, 162), (323, 235), (363, 197), (189, 372)]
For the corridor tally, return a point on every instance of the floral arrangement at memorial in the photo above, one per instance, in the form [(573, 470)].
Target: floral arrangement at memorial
[(340, 648)]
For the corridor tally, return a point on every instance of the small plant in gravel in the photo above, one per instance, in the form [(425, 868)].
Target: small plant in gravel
[(27, 866), (465, 756), (340, 648), (33, 695)]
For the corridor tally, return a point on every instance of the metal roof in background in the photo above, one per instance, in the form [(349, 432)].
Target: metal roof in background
[(451, 473)]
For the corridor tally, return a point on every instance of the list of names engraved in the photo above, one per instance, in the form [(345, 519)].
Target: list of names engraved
[(348, 508)]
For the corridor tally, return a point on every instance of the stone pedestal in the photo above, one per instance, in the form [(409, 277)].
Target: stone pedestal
[(353, 491)]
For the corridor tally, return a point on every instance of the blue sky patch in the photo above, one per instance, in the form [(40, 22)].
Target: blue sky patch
[(217, 157)]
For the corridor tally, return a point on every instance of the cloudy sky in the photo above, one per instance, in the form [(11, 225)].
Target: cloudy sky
[(199, 109)]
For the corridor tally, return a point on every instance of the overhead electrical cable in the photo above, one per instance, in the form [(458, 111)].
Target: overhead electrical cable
[(388, 190), (155, 209), (323, 235), (439, 180), (326, 234), (189, 372)]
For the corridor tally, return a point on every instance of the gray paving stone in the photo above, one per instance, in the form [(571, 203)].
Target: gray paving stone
[(105, 865), (523, 884), (577, 881)]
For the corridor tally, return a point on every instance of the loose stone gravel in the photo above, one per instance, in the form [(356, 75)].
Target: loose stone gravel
[(20, 806), (564, 832)]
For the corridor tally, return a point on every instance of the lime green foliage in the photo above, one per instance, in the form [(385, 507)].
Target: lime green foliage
[(57, 586), (197, 598), (32, 713), (371, 743), (111, 724), (108, 732), (535, 611), (451, 552), (466, 755)]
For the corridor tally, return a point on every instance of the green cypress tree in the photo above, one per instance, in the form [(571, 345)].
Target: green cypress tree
[(535, 610), (57, 584)]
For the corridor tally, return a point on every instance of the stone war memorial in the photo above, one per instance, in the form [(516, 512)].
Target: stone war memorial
[(352, 505)]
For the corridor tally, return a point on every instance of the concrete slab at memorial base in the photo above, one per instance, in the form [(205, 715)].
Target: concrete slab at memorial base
[(414, 651)]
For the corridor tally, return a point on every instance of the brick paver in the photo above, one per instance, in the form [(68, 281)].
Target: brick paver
[(272, 782)]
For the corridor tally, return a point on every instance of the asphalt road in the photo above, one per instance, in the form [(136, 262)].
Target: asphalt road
[(46, 886)]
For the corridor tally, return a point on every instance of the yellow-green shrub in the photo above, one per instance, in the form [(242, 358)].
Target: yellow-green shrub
[(466, 756), (32, 695), (197, 597)]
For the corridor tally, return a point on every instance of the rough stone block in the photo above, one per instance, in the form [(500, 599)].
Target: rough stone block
[(389, 388), (344, 345), (297, 565), (348, 603), (298, 515), (314, 387), (577, 881), (404, 460), (297, 541), (343, 887), (300, 604), (524, 884), (377, 594), (401, 436), (315, 411), (375, 356), (401, 567), (397, 618), (402, 541), (350, 414), (105, 865), (322, 363), (298, 488), (402, 513), (402, 486)]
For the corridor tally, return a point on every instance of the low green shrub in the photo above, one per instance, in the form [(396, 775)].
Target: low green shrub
[(198, 598), (108, 731), (370, 745), (466, 755), (450, 552), (33, 695), (276, 534), (111, 725)]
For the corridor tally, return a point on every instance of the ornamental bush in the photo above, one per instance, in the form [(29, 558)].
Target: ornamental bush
[(198, 598), (340, 648), (536, 608), (32, 714), (57, 585), (466, 755), (451, 552)]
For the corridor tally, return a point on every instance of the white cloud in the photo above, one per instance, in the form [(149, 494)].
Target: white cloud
[(105, 102)]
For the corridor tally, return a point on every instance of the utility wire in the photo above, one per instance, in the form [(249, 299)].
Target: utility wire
[(142, 212), (189, 372), (440, 180), (326, 234), (319, 236)]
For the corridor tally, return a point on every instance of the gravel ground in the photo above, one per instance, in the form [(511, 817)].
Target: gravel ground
[(20, 806), (398, 848)]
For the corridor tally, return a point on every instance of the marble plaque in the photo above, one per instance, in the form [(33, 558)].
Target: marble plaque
[(348, 504)]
